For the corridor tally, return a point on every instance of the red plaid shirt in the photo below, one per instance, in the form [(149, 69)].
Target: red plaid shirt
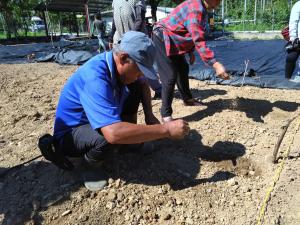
[(184, 30)]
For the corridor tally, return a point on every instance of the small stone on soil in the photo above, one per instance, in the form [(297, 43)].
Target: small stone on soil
[(66, 212)]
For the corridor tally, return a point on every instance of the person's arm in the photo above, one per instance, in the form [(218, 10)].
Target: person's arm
[(197, 33), (294, 22), (147, 106), (93, 28), (129, 133), (140, 18)]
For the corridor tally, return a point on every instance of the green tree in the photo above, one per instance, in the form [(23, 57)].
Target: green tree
[(17, 14)]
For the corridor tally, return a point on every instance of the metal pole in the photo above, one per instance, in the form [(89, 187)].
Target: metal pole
[(244, 16), (223, 9), (255, 8), (87, 17), (273, 15), (46, 24)]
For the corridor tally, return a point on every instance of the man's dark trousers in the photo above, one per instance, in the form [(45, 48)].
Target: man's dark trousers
[(171, 70)]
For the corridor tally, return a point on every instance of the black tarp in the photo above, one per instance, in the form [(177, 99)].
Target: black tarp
[(266, 59), (63, 52)]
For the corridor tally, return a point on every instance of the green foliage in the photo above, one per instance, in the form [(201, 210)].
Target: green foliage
[(167, 3), (270, 14), (16, 15)]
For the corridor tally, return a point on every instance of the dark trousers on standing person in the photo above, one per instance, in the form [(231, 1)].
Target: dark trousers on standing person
[(290, 64), (85, 141), (172, 70)]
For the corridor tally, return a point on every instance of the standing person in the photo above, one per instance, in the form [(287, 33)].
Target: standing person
[(94, 106), (130, 15), (99, 29), (127, 15), (180, 33), (293, 48)]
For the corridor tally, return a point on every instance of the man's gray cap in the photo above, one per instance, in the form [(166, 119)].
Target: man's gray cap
[(141, 49)]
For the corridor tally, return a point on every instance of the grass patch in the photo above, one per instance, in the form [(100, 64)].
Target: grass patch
[(22, 34)]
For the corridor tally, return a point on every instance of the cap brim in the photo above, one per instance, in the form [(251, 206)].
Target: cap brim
[(149, 73)]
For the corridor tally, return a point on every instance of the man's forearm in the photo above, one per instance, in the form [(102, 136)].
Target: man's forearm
[(128, 133)]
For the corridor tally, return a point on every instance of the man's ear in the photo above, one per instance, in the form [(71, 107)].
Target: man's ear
[(123, 58)]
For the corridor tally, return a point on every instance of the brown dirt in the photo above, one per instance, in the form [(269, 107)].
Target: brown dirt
[(219, 174)]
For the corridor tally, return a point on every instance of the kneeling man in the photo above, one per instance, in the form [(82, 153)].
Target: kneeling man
[(95, 104)]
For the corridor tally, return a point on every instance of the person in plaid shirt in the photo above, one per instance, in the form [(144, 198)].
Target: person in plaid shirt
[(180, 33)]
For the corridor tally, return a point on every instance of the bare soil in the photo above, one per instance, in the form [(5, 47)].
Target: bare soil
[(219, 174)]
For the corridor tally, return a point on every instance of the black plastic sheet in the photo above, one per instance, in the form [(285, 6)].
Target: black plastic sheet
[(265, 67)]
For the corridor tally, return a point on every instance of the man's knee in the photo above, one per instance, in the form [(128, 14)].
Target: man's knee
[(100, 150)]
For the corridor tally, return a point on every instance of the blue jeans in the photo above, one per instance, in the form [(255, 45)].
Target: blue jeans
[(101, 43), (155, 85)]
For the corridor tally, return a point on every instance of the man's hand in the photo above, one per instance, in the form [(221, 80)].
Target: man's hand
[(177, 128), (220, 71), (151, 119), (110, 45), (192, 58)]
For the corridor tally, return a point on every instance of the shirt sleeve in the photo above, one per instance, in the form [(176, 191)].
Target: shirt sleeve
[(194, 25), (98, 99), (294, 21)]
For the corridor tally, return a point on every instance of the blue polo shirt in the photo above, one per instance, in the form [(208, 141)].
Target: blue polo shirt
[(91, 95)]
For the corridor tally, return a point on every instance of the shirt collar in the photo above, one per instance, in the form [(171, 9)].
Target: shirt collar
[(112, 69), (109, 58)]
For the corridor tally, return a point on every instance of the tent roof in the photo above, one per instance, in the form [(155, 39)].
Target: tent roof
[(74, 5)]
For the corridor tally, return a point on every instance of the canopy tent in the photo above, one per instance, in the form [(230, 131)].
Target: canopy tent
[(87, 6), (94, 6)]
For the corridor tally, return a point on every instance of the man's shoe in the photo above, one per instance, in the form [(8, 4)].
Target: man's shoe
[(192, 102), (296, 79), (93, 176), (45, 144), (94, 180)]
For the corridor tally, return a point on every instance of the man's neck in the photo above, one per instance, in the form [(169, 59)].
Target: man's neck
[(118, 77)]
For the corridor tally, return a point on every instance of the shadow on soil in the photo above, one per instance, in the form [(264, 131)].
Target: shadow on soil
[(32, 189), (176, 163), (202, 94), (254, 108)]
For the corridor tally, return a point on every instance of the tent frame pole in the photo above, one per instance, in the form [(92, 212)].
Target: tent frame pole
[(87, 16)]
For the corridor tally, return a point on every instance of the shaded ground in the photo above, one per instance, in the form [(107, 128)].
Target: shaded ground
[(217, 175)]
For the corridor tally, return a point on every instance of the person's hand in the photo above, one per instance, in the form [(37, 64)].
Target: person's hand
[(192, 58), (151, 119), (220, 71), (110, 45), (177, 128)]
